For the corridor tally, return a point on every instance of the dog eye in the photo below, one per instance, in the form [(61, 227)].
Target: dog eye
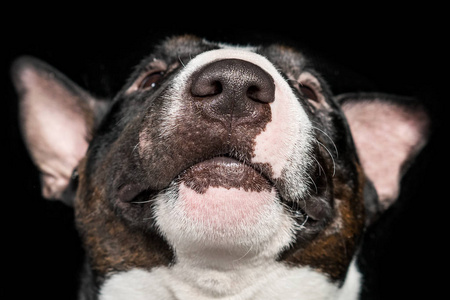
[(151, 80), (308, 92)]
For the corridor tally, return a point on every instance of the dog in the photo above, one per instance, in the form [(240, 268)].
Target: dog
[(218, 172)]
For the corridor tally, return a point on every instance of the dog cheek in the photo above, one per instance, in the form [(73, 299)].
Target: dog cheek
[(111, 244), (333, 247), (145, 143)]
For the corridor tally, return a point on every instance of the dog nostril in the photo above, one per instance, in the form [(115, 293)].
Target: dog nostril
[(256, 94), (205, 88)]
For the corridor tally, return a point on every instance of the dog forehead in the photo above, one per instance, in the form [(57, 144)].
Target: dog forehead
[(181, 48), (185, 44)]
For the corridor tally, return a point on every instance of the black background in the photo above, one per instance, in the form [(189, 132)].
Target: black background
[(391, 51)]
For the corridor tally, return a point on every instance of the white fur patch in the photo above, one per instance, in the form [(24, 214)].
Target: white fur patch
[(287, 136), (212, 231), (352, 285), (267, 281), (219, 210)]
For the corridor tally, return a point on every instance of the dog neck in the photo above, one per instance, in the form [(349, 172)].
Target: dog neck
[(183, 281)]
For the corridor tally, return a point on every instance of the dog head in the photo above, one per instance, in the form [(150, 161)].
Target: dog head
[(219, 168)]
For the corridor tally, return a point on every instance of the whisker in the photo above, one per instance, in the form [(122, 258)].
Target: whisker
[(181, 61), (332, 158), (141, 202), (320, 167), (312, 180), (334, 145), (288, 208), (295, 212), (302, 226), (135, 147), (237, 260)]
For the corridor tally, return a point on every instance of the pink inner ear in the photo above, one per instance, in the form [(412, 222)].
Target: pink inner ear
[(386, 136), (55, 121)]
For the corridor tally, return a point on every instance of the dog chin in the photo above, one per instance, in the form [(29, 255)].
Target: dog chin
[(223, 206)]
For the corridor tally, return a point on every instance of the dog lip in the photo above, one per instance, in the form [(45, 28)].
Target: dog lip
[(224, 171), (227, 161), (224, 160)]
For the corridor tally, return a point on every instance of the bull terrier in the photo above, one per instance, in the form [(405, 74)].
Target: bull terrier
[(218, 172)]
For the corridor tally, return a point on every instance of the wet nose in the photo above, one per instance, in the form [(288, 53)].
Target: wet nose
[(232, 89)]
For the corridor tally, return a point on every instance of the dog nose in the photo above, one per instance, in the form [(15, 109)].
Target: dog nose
[(232, 89)]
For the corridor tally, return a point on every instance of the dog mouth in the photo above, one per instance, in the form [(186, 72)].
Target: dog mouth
[(222, 171), (225, 172), (228, 173)]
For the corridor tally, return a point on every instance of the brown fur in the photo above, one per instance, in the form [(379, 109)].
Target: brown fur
[(332, 250), (111, 245)]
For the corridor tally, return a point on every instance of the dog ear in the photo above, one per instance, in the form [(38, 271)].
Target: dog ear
[(57, 119), (388, 132)]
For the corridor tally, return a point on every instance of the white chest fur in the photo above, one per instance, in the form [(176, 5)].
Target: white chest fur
[(270, 281)]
